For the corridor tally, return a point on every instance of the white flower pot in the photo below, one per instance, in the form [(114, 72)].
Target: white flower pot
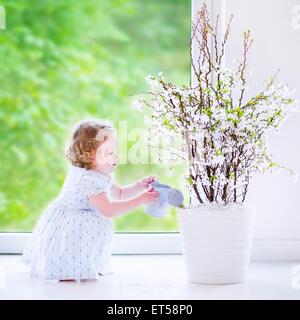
[(216, 242)]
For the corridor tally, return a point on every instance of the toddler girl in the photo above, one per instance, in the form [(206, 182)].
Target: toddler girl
[(72, 239)]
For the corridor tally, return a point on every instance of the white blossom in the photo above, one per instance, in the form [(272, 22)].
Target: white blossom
[(137, 105), (218, 132)]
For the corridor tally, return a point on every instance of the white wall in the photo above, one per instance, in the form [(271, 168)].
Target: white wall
[(276, 31)]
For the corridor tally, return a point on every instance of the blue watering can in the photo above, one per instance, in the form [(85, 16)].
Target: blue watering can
[(167, 197)]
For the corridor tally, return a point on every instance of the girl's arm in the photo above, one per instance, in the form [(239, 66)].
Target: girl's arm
[(132, 190), (126, 192), (112, 209)]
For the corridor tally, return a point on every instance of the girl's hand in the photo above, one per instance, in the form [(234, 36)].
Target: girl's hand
[(146, 181), (149, 196)]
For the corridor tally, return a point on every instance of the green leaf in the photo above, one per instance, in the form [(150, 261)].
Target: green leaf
[(190, 180), (213, 178), (239, 112), (167, 124)]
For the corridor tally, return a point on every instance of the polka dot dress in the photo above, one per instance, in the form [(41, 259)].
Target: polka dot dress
[(72, 239)]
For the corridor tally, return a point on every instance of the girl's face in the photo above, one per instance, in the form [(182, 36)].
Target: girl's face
[(106, 159)]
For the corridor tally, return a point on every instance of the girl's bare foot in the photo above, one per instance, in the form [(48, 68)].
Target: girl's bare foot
[(67, 280), (88, 280)]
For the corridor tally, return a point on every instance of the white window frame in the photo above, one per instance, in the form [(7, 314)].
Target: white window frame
[(164, 243), (169, 242)]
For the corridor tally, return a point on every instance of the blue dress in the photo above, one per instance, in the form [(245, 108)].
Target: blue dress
[(72, 239)]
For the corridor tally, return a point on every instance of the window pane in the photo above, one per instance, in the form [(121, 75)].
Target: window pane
[(62, 61)]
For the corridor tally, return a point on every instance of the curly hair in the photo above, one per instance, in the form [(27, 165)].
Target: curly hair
[(87, 136)]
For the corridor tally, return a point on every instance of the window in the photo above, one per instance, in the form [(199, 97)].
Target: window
[(63, 61)]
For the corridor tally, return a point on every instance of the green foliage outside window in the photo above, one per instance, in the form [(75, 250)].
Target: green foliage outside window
[(61, 61)]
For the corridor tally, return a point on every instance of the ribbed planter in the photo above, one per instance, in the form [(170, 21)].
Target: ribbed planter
[(216, 243)]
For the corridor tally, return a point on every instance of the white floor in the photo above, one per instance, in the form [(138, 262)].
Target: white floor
[(146, 277)]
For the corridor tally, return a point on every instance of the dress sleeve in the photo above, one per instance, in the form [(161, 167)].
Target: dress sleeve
[(91, 184)]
